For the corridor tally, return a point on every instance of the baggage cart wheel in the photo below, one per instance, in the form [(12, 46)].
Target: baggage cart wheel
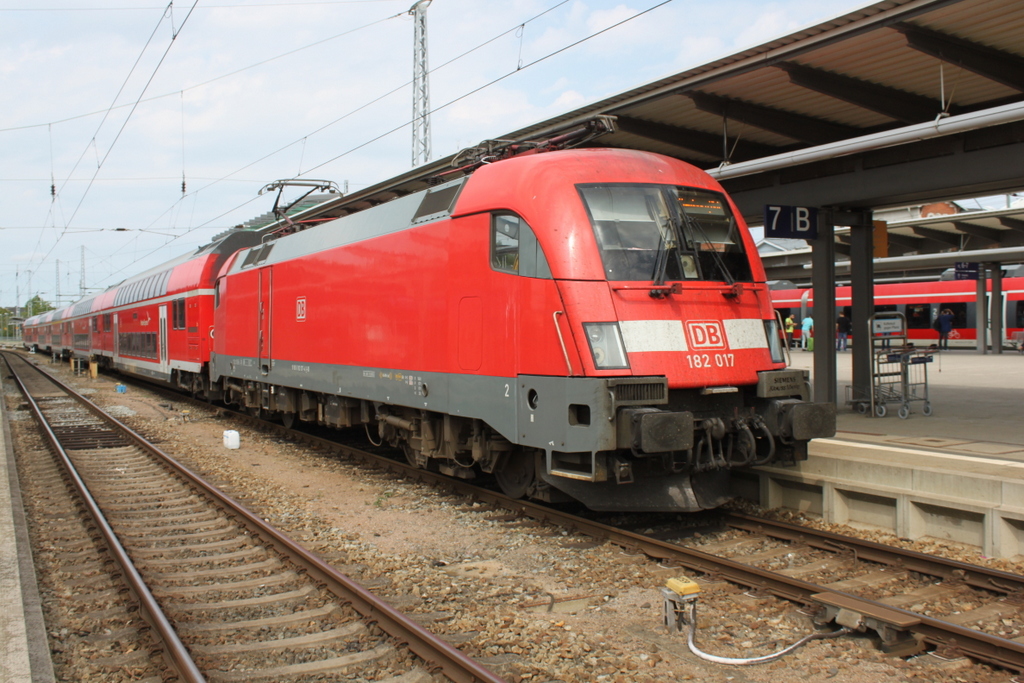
[(926, 409), (904, 412), (862, 408), (880, 410)]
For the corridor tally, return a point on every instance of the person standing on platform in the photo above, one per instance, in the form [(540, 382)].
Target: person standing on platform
[(789, 326), (806, 331), (843, 329), (945, 327)]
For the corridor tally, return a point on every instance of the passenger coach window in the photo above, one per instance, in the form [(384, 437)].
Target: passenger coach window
[(959, 311), (919, 316), (515, 249), (178, 314)]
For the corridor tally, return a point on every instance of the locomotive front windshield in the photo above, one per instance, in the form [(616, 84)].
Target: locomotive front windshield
[(656, 233)]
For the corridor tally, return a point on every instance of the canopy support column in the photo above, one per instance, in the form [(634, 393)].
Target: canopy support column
[(862, 280), (823, 281), (996, 307), (981, 317)]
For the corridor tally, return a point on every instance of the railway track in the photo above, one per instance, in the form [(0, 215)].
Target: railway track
[(911, 600), (227, 597)]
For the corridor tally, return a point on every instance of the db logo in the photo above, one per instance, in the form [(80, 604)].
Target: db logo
[(706, 335), (300, 308)]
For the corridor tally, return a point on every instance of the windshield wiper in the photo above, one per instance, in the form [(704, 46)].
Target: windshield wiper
[(695, 225), (666, 241)]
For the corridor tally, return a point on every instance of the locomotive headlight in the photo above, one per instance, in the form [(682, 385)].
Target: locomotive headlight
[(771, 329), (606, 345)]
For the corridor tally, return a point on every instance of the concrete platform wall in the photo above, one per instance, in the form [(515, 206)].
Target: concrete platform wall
[(911, 493)]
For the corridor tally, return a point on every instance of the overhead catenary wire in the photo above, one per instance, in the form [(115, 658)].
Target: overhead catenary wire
[(344, 116), (202, 84), (385, 95), (439, 108), (518, 67), (113, 143), (498, 80)]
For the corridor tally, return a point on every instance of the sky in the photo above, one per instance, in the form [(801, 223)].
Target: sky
[(109, 105)]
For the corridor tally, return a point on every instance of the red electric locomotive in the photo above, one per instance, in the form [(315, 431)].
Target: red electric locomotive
[(590, 324)]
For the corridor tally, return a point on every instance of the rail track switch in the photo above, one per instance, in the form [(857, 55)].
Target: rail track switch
[(892, 626), (678, 594)]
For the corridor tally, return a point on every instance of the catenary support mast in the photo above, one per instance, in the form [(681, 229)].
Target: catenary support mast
[(420, 86)]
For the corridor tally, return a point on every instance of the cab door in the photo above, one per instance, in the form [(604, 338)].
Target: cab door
[(165, 362), (265, 315), (191, 324)]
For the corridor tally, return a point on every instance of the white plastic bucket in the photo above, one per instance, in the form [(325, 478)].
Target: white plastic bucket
[(231, 439)]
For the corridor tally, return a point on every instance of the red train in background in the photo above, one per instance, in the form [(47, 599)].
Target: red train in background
[(921, 303), (589, 324)]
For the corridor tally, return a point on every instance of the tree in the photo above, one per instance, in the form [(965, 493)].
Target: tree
[(35, 306)]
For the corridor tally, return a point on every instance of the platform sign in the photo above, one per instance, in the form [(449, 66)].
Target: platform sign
[(964, 270), (887, 327), (794, 222)]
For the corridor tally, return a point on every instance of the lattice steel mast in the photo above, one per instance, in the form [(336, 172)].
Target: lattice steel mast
[(420, 86)]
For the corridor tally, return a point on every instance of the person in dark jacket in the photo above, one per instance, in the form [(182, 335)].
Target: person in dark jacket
[(945, 322), (843, 329)]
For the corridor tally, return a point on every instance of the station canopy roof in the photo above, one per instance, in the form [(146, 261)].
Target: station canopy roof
[(832, 93)]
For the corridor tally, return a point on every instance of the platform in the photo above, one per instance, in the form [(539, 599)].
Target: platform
[(24, 649), (957, 475)]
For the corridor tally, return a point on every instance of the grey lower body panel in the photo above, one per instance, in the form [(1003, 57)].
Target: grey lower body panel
[(532, 411), (671, 493), (131, 366)]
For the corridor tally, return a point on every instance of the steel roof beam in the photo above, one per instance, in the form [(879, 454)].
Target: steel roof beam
[(807, 129), (939, 235), (996, 65), (694, 140), (909, 241), (990, 234), (896, 104), (1012, 223)]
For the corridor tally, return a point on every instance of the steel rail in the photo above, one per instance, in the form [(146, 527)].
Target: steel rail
[(448, 659), (179, 657), (911, 560), (994, 650)]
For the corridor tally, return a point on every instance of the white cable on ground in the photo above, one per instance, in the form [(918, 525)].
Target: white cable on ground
[(739, 661)]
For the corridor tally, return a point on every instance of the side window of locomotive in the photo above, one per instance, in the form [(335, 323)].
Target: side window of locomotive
[(515, 249), (505, 243)]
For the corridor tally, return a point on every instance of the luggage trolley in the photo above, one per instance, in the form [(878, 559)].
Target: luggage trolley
[(914, 364), (899, 371), (888, 343)]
